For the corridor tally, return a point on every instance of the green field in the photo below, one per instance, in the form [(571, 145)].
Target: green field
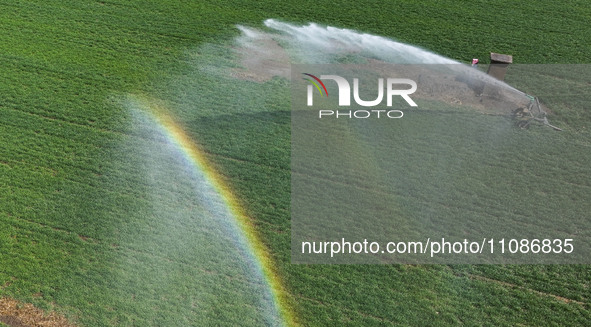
[(86, 231)]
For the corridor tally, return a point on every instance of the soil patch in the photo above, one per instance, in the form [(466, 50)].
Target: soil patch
[(16, 314), (261, 58)]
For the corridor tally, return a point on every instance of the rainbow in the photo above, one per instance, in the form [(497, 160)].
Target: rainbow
[(317, 86), (192, 152)]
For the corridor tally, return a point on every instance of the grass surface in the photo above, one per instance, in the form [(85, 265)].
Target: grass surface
[(77, 220)]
